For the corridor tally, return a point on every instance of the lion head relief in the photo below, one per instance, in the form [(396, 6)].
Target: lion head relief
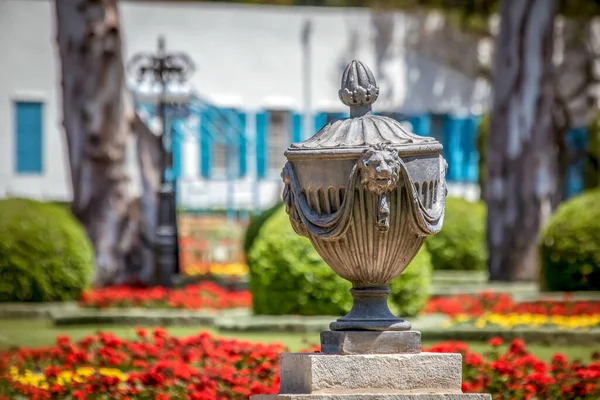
[(380, 168)]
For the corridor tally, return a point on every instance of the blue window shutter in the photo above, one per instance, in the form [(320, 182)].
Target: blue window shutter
[(421, 124), (577, 140), (242, 144), (262, 128), (437, 130), (320, 121), (471, 152), (29, 140), (205, 147), (296, 127), (452, 139)]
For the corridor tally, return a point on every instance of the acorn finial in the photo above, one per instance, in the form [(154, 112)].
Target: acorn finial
[(359, 88)]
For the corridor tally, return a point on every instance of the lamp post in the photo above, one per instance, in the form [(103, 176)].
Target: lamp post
[(160, 77), (306, 78)]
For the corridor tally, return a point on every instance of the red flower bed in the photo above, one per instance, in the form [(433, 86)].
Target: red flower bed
[(515, 374), (159, 366), (155, 366), (204, 295), (208, 295), (499, 303)]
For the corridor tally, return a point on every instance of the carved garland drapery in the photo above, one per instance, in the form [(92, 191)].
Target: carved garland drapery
[(332, 226)]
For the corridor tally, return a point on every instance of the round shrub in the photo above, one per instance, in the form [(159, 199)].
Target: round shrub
[(256, 222), (410, 291), (45, 254), (570, 245), (287, 276), (461, 243)]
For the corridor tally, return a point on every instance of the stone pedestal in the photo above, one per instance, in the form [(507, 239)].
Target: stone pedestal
[(419, 376), (366, 192)]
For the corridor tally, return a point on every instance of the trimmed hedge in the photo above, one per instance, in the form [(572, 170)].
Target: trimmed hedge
[(410, 291), (461, 245), (287, 276), (570, 245), (45, 254), (256, 222)]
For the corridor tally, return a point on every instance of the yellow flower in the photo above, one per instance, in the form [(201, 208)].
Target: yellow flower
[(533, 320), (113, 373), (462, 318), (37, 379)]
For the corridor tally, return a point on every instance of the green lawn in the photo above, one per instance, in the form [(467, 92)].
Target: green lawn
[(38, 332)]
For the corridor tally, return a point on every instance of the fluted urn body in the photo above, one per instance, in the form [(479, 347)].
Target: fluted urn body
[(366, 192)]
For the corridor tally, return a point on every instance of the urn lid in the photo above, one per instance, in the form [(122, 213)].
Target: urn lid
[(363, 129)]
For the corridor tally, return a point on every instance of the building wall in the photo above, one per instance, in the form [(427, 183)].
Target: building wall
[(30, 73), (247, 55)]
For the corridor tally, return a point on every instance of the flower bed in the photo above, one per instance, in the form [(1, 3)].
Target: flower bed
[(500, 310), (155, 366), (230, 270), (203, 295), (159, 366), (515, 374), (509, 321), (478, 310), (500, 303)]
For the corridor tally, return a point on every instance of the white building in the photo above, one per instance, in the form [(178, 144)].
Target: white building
[(250, 60)]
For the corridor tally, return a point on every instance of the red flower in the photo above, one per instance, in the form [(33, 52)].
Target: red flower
[(517, 346), (203, 367), (559, 359), (141, 332), (51, 371), (496, 341)]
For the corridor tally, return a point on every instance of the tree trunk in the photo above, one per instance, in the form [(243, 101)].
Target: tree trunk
[(102, 130), (576, 51), (522, 156)]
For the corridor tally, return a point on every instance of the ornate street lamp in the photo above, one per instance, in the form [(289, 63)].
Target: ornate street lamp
[(161, 77)]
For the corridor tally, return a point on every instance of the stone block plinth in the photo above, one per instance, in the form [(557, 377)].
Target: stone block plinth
[(315, 373), (421, 376), (370, 342), (381, 396)]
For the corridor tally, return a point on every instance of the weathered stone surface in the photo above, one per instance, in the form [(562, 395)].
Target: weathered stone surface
[(370, 373), (366, 192), (370, 342), (379, 396)]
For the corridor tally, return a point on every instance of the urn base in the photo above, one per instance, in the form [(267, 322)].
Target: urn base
[(370, 342), (370, 312)]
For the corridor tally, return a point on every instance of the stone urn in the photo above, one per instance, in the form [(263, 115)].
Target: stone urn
[(366, 192)]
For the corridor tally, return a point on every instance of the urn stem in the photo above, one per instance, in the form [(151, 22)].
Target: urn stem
[(370, 312)]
